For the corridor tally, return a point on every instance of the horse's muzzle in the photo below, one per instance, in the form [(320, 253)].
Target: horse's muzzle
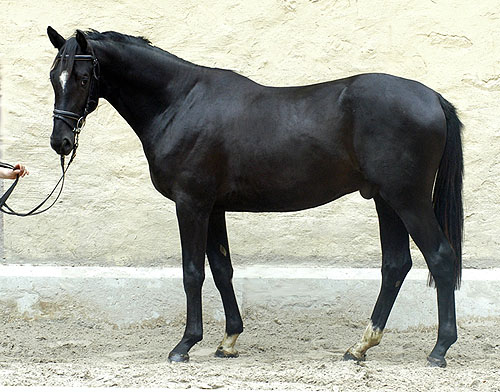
[(61, 146)]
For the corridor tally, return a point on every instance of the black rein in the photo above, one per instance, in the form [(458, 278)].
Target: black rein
[(35, 211)]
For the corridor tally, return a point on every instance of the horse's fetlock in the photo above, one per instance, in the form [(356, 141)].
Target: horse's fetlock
[(233, 328), (194, 337), (448, 334)]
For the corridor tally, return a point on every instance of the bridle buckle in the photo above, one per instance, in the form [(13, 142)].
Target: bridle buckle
[(79, 125)]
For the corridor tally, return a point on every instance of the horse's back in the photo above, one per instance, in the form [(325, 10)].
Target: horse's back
[(286, 148)]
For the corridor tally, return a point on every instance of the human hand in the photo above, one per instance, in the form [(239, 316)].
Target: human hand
[(11, 174)]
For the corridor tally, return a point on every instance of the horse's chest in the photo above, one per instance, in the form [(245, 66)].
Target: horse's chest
[(176, 174)]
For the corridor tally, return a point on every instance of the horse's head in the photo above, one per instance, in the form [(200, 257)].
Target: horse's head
[(74, 77)]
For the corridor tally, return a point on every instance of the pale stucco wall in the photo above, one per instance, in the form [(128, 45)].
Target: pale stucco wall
[(110, 214)]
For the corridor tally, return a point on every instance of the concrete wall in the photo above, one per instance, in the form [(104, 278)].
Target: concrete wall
[(111, 215)]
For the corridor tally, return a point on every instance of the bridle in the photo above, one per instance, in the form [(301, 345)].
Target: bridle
[(92, 100), (76, 122)]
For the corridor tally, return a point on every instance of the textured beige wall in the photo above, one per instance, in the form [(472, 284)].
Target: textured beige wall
[(110, 213)]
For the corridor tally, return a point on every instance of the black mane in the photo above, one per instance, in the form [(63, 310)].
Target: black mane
[(113, 36), (70, 48), (117, 37)]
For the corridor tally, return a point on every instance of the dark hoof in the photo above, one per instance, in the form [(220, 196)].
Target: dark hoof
[(349, 357), (224, 354), (177, 357), (436, 362)]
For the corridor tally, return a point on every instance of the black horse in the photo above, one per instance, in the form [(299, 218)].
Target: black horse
[(216, 141)]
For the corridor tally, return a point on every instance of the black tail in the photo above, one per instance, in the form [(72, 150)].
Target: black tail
[(447, 199)]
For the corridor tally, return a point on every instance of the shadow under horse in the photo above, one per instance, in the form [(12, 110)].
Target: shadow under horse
[(216, 141)]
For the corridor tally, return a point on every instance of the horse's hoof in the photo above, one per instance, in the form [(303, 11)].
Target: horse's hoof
[(220, 353), (436, 362), (177, 357), (348, 356)]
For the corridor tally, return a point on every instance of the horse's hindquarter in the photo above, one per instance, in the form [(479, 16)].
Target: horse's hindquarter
[(287, 149), (399, 132)]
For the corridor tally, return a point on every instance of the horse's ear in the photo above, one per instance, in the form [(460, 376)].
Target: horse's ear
[(57, 40), (81, 39)]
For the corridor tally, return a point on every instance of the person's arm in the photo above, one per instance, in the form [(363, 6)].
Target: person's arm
[(19, 170)]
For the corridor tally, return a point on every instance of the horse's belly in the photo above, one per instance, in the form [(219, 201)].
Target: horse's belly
[(279, 204), (290, 194)]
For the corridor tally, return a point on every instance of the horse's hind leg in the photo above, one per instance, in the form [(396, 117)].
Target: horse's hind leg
[(222, 271), (396, 262), (424, 228)]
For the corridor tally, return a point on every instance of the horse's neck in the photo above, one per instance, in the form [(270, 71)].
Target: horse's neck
[(143, 83)]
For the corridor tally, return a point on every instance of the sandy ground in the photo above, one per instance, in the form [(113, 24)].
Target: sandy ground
[(292, 352)]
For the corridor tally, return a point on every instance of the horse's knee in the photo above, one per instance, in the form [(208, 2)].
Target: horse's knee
[(222, 272), (193, 279)]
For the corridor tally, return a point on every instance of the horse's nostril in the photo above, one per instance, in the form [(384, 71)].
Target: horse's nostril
[(66, 146), (54, 144), (62, 147)]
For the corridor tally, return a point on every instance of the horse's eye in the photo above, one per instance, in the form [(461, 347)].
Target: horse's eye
[(84, 81)]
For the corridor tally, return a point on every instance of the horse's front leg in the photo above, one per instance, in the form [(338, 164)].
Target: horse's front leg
[(193, 223), (222, 271)]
